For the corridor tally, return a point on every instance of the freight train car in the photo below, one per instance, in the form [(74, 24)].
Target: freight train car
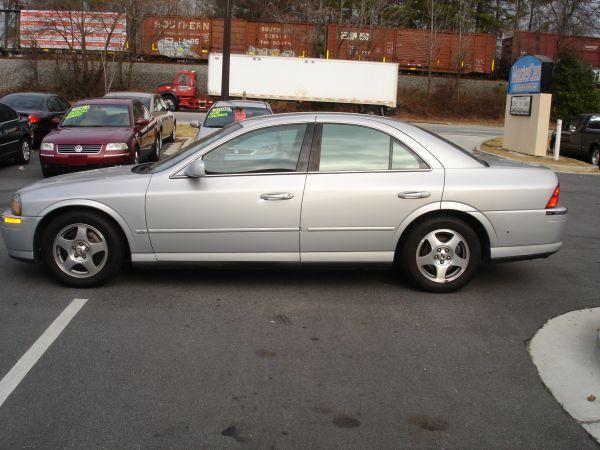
[(472, 53), (195, 38), (9, 31), (519, 43)]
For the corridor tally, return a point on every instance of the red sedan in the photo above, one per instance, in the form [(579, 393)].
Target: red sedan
[(99, 133)]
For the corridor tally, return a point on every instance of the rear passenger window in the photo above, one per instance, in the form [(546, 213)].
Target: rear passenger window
[(594, 123), (352, 148)]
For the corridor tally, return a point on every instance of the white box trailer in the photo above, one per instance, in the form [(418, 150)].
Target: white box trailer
[(306, 79)]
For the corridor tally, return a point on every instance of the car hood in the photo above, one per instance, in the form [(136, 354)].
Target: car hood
[(88, 135), (78, 177), (205, 131)]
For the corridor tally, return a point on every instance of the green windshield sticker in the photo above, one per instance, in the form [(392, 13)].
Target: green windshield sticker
[(78, 111), (222, 111)]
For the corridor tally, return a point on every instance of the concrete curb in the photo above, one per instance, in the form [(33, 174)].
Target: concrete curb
[(557, 167)]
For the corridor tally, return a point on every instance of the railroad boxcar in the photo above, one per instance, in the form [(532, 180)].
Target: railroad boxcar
[(519, 43), (176, 37), (361, 43), (470, 53), (280, 39)]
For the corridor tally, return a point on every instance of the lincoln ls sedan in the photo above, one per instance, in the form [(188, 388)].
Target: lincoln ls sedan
[(305, 188)]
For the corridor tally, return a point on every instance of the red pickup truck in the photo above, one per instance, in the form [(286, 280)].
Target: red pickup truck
[(184, 92)]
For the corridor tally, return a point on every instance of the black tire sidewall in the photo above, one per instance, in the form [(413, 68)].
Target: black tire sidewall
[(19, 157), (114, 241), (409, 250)]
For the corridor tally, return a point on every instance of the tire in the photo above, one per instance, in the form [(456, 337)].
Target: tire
[(441, 254), (135, 157), (173, 133), (24, 155), (155, 155), (594, 157), (82, 249), (48, 171)]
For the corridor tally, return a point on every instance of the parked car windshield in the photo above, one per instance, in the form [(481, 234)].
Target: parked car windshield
[(188, 151), (24, 102), (97, 115), (220, 116)]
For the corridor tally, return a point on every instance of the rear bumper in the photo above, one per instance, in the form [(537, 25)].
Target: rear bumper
[(19, 237), (533, 234)]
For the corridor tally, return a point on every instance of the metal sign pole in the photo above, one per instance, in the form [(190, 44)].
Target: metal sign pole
[(226, 51)]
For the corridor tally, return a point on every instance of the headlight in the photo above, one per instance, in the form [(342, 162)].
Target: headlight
[(15, 205), (48, 146), (115, 146)]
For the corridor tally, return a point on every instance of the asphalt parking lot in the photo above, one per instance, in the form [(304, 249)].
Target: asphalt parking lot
[(293, 358)]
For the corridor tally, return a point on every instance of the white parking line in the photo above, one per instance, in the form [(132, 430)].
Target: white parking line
[(12, 379)]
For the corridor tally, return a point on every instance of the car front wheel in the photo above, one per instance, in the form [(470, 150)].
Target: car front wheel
[(595, 156), (441, 254), (82, 249)]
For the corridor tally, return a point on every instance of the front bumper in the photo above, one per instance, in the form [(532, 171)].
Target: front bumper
[(19, 237), (85, 160)]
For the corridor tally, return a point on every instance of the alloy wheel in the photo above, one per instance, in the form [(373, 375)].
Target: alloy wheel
[(595, 156), (80, 250), (442, 255)]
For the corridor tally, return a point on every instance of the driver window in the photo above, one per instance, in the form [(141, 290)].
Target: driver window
[(273, 149), (138, 111)]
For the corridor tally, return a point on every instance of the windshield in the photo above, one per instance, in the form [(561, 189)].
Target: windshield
[(220, 116), (189, 150), (97, 115), (22, 102)]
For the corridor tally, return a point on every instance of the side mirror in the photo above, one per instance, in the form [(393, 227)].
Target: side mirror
[(572, 128), (171, 107), (55, 122), (195, 124), (195, 169), (142, 122)]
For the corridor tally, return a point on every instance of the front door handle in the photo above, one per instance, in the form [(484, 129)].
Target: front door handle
[(277, 196), (414, 194)]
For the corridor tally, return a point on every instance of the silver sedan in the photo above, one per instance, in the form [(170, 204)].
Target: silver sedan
[(305, 188)]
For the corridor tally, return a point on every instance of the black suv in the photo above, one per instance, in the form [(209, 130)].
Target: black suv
[(15, 136)]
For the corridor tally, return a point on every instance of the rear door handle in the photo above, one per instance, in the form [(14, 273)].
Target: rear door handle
[(413, 194), (277, 196)]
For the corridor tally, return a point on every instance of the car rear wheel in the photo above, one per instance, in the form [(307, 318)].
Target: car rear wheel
[(24, 155), (441, 254), (173, 133), (595, 156), (82, 249)]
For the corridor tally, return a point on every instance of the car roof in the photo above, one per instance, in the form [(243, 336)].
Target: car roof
[(127, 94), (31, 94), (241, 103), (106, 101)]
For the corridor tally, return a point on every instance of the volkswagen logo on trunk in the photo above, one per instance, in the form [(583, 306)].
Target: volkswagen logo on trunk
[(78, 149)]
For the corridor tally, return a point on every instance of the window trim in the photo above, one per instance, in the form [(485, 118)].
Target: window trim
[(315, 155)]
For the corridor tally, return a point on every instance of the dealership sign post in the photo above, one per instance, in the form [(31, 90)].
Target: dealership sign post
[(528, 103)]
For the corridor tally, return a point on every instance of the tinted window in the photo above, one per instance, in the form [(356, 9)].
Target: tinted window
[(4, 113), (64, 104), (273, 149), (403, 158), (594, 123), (97, 116), (353, 148), (220, 116), (25, 102), (54, 105)]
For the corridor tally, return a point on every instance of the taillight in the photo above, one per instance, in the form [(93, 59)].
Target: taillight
[(33, 118), (553, 202)]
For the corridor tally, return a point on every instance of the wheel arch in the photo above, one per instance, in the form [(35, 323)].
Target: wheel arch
[(86, 205), (477, 220)]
